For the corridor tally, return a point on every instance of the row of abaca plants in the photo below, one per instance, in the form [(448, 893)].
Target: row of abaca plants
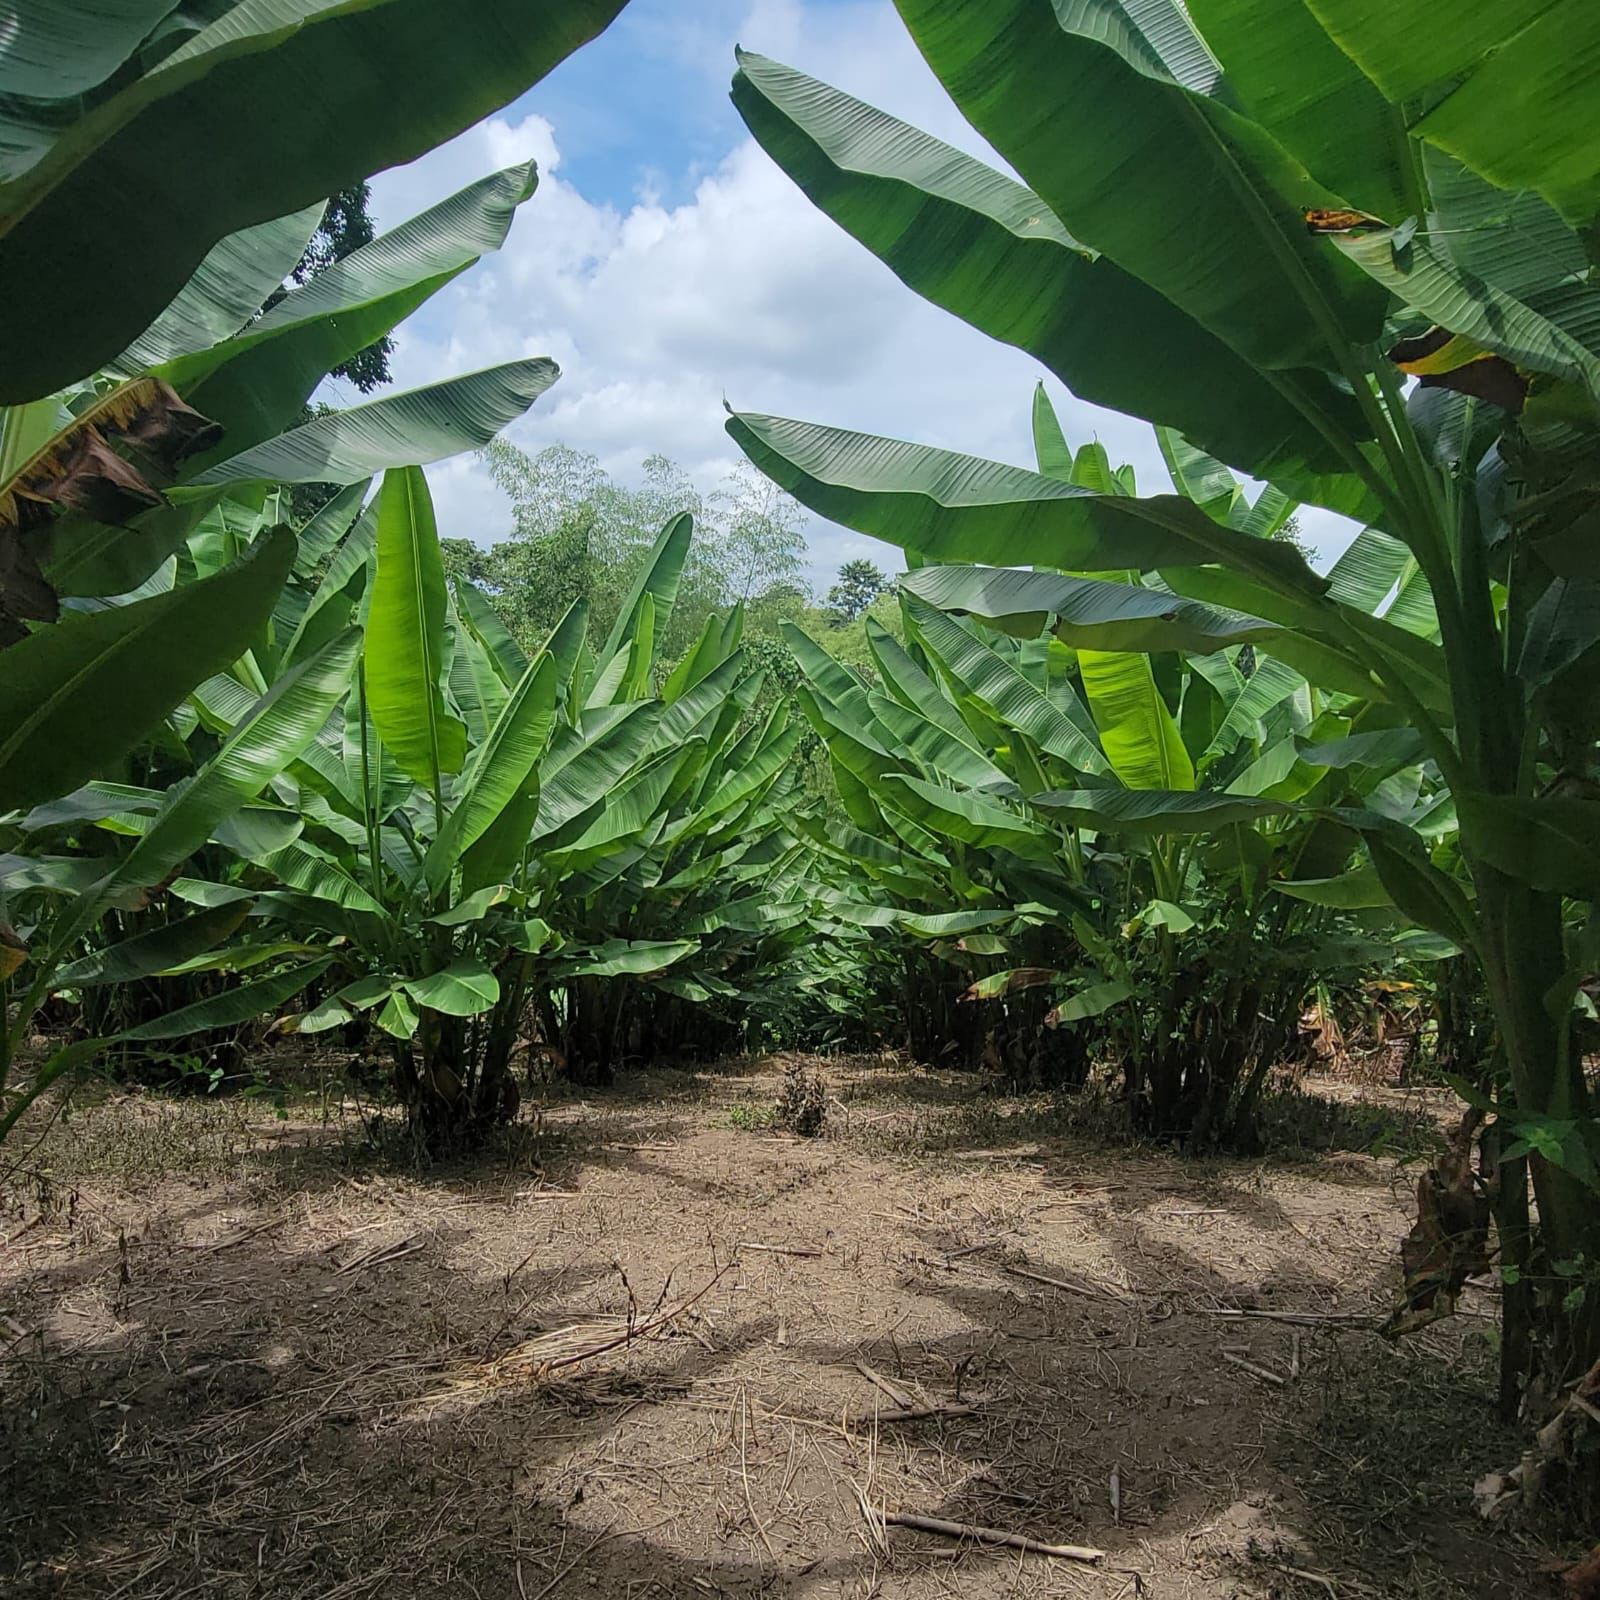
[(1351, 254), (153, 198), (471, 853), (1125, 855)]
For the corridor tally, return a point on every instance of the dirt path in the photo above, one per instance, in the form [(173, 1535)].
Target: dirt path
[(247, 1359)]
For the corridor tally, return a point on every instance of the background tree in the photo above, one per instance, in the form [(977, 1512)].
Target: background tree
[(345, 227), (578, 532), (860, 582), (757, 528)]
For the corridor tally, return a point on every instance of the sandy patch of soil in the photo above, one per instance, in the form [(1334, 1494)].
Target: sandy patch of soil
[(652, 1348)]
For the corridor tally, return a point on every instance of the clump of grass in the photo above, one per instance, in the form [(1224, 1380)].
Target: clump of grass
[(138, 1139), (752, 1119), (803, 1100)]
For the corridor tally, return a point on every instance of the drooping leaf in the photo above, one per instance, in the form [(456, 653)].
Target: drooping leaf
[(997, 985), (213, 117), (1074, 97), (1552, 842), (154, 951), (998, 686), (1292, 79), (1153, 811), (1464, 304), (398, 430), (1355, 890), (1089, 613), (77, 695), (990, 250), (951, 507), (1515, 72), (228, 288), (256, 384), (233, 1007), (1093, 1001), (619, 958)]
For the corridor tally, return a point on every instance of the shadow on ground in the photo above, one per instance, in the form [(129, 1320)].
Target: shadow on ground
[(302, 1371)]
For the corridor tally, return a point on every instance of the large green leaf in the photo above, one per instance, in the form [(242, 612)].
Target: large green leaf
[(1154, 811), (1552, 843), (929, 747), (234, 1007), (82, 557), (465, 988), (1087, 612), (1200, 477), (228, 288), (1285, 72), (999, 687), (154, 951), (223, 118), (314, 872), (1465, 304), (332, 603), (405, 634), (77, 695), (1072, 95), (1420, 890), (1139, 734), (475, 684), (1518, 82), (266, 740), (1366, 573), (623, 958), (953, 814), (951, 507), (56, 49), (1265, 689), (1052, 453), (1514, 239), (657, 582), (501, 770), (1091, 1001), (400, 430), (330, 524), (256, 384), (1357, 890), (484, 621), (906, 680), (584, 766), (988, 249)]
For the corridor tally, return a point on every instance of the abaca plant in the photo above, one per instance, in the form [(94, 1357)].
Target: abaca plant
[(1316, 240)]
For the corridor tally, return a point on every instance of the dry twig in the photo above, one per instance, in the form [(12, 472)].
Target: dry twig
[(982, 1535)]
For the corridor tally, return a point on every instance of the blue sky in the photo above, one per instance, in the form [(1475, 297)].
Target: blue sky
[(666, 264)]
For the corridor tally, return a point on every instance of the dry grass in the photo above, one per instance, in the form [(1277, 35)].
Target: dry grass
[(248, 1357)]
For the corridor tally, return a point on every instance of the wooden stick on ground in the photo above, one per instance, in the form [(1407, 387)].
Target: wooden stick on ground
[(1256, 1372), (971, 1530), (1305, 1319), (781, 1249), (916, 1413), (901, 1397), (1089, 1291)]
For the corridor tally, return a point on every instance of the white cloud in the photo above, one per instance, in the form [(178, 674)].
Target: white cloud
[(745, 291)]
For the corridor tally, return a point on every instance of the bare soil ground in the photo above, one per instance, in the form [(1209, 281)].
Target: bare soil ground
[(652, 1348)]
